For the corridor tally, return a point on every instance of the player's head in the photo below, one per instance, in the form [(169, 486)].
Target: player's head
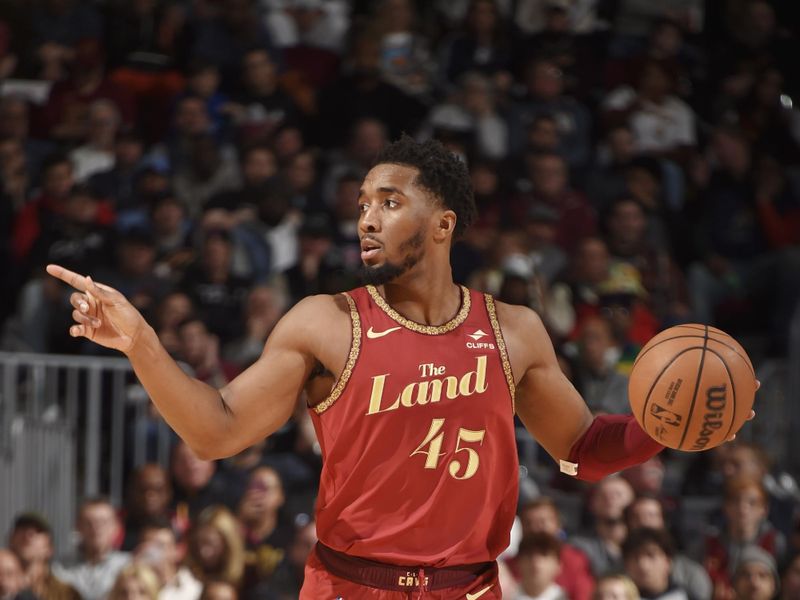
[(414, 201)]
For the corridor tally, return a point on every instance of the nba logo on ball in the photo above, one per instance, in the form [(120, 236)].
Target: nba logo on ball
[(692, 387)]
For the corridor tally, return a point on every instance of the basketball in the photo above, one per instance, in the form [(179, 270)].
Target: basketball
[(692, 387)]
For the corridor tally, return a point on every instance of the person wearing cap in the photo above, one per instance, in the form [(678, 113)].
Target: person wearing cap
[(31, 540), (756, 576)]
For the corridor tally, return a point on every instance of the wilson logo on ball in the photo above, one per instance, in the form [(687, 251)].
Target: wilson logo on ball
[(716, 399)]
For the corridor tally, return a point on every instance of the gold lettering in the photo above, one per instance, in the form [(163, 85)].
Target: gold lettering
[(480, 379), (430, 390), (452, 386), (377, 396)]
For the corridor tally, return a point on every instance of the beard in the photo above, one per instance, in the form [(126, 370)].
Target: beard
[(389, 271)]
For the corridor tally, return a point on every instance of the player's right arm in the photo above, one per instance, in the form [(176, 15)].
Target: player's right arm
[(215, 423)]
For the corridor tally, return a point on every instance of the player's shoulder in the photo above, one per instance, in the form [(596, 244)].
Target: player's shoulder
[(517, 318), (320, 307)]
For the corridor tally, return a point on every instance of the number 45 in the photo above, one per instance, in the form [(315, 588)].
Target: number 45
[(433, 440)]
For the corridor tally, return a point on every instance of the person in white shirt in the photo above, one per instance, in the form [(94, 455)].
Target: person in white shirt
[(158, 547), (94, 570)]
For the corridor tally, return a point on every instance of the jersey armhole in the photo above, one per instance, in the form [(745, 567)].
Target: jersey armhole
[(355, 348), (501, 348)]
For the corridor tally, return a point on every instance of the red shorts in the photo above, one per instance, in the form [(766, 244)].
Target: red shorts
[(320, 584)]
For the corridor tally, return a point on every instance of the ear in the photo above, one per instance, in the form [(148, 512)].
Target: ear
[(445, 226)]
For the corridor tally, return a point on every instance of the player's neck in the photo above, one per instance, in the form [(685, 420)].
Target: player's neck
[(423, 299)]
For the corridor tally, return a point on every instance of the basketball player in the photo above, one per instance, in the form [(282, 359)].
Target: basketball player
[(413, 383)]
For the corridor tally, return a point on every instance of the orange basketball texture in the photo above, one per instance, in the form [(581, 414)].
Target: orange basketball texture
[(692, 387)]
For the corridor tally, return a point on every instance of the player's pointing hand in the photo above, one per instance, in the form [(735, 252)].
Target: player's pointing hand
[(101, 313)]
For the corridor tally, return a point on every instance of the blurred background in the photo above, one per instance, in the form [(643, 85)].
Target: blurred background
[(635, 164)]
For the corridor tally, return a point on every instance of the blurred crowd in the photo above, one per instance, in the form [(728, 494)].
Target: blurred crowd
[(635, 164)]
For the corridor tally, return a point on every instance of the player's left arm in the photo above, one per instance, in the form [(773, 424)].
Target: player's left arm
[(554, 412)]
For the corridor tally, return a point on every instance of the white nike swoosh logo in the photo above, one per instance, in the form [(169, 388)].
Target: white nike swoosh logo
[(376, 334), (479, 594)]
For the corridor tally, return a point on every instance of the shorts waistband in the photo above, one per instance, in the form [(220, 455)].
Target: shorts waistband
[(396, 578)]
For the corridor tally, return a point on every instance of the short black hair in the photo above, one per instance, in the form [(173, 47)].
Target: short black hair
[(640, 537), (539, 543), (440, 172)]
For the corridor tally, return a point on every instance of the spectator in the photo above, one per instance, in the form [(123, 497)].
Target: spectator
[(263, 106), (367, 136), (405, 56), (735, 264), (544, 95), (96, 154), (308, 23), (603, 387), (662, 124), (171, 311), (575, 293), (265, 304), (756, 576), (615, 587), (31, 540), (539, 564), (541, 516), (136, 581), (70, 236), (790, 581), (214, 288), (203, 81), (319, 268), (278, 224), (631, 241), (57, 181), (648, 512), (64, 116), (15, 124), (603, 546), (288, 577), (118, 183), (360, 93), (746, 524), (546, 181), (219, 590), (482, 46), (648, 562), (222, 37), (548, 258), (195, 485), (58, 28), (12, 578), (95, 567), (158, 547), (472, 111), (267, 534), (208, 169), (606, 180), (216, 549), (171, 230), (134, 272), (149, 498)]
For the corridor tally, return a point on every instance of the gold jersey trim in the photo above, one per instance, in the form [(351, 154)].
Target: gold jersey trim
[(501, 346), (355, 348), (460, 317)]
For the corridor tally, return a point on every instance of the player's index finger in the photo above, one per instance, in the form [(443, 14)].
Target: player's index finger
[(69, 277)]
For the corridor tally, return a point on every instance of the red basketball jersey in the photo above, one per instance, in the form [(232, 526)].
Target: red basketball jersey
[(419, 456)]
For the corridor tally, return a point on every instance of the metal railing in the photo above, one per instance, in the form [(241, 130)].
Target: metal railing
[(71, 427)]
